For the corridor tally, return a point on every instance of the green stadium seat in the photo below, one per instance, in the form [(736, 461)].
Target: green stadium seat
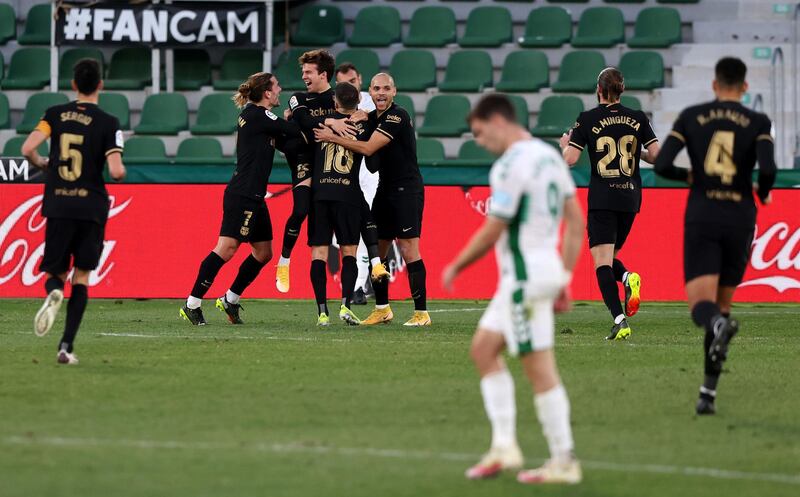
[(192, 69), (37, 104), (445, 115), (579, 71), (164, 114), (68, 60), (377, 26), (433, 26), (365, 60), (520, 109), (8, 23), (13, 147), (430, 152), (287, 71), (547, 27), (467, 71), (643, 70), (5, 112), (600, 27), (656, 27), (2, 68), (568, 1), (319, 26), (196, 151), (37, 25), (129, 69), (144, 150), (487, 27), (216, 115), (237, 65), (624, 1), (29, 69), (524, 71), (413, 70), (405, 102), (557, 115), (117, 105), (472, 154), (630, 102), (678, 1)]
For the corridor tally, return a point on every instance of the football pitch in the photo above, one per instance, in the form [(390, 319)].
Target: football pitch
[(277, 407)]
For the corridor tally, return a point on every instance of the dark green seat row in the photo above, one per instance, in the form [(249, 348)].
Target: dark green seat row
[(487, 26)]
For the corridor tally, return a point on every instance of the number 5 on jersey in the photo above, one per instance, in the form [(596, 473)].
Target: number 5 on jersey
[(74, 167)]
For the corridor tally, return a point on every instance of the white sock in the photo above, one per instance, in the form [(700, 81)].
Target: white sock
[(375, 261), (625, 277), (619, 319), (552, 408), (283, 261), (193, 302), (381, 306), (499, 401), (231, 297)]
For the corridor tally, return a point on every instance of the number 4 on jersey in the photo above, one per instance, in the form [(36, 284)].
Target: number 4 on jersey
[(719, 157)]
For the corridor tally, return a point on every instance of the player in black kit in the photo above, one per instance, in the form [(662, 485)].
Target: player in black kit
[(308, 110), (724, 140), (76, 203), (397, 207), (337, 204), (245, 217), (615, 136)]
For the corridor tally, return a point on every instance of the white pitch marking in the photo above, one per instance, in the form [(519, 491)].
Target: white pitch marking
[(306, 448)]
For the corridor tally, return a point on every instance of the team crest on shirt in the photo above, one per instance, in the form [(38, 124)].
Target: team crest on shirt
[(244, 231), (293, 102), (270, 115), (393, 118)]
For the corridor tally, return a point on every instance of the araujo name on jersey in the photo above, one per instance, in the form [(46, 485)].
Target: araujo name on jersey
[(170, 25)]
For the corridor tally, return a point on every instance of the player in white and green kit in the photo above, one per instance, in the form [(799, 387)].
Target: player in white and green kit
[(532, 192)]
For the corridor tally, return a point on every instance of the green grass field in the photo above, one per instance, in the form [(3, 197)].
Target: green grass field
[(279, 408)]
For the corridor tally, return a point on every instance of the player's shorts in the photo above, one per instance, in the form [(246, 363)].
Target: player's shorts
[(328, 217), (606, 227), (714, 249), (526, 324), (398, 213), (245, 219), (71, 239)]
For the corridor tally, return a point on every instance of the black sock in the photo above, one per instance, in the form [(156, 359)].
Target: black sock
[(706, 314), (726, 315), (53, 283), (247, 274), (619, 269), (416, 282), (301, 197), (349, 276), (205, 276), (381, 288), (75, 307), (609, 289), (319, 280)]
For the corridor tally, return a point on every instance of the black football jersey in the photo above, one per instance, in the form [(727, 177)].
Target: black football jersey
[(721, 138), (614, 135), (258, 131), (81, 136), (309, 110), (397, 161), (336, 169)]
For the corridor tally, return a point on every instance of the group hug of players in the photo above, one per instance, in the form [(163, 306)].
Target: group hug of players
[(326, 137), (325, 140)]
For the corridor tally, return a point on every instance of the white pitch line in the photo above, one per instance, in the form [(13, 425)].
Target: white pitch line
[(305, 448)]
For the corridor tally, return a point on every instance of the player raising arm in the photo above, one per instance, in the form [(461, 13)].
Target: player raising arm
[(614, 136), (76, 203), (724, 140), (532, 191)]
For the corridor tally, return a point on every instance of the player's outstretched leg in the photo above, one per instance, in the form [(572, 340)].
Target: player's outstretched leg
[(349, 274), (209, 269), (633, 285), (248, 271), (417, 277), (319, 282), (608, 288), (76, 306), (301, 198), (382, 313), (719, 330), (46, 316)]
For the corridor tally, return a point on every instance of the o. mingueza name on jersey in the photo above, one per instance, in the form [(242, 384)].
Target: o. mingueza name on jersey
[(610, 121)]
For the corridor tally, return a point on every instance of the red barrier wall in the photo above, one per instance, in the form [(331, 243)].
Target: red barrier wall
[(158, 234)]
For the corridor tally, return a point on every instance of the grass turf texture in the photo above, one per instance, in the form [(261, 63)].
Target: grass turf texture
[(278, 407)]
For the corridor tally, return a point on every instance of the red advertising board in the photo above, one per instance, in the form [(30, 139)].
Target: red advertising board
[(158, 234)]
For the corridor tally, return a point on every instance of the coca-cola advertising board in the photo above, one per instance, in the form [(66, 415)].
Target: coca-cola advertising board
[(157, 235)]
